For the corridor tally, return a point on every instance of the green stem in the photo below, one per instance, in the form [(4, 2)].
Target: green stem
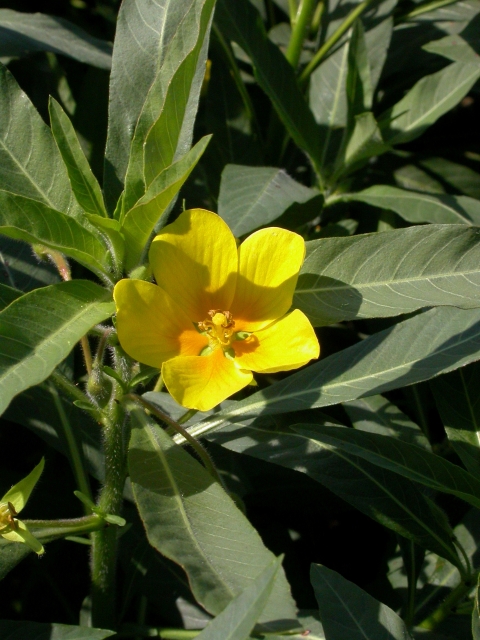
[(195, 444), (46, 530), (334, 38), (74, 453), (299, 30), (292, 9), (128, 630), (447, 606), (104, 547), (425, 8), (65, 385), (186, 416)]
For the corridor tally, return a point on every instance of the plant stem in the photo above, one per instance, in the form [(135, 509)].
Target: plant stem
[(195, 444), (128, 630), (332, 40), (444, 610), (104, 547), (424, 8), (45, 530), (76, 460), (299, 30), (292, 9), (69, 389)]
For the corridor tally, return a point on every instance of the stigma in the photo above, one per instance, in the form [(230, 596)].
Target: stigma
[(219, 326)]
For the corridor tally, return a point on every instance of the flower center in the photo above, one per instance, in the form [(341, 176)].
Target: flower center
[(220, 327), (7, 513)]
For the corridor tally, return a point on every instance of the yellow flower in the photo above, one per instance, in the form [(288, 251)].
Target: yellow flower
[(12, 503), (217, 313)]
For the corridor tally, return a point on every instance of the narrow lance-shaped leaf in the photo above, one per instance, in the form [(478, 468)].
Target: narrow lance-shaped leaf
[(380, 275), (190, 519), (84, 184), (400, 457), (458, 401), (18, 495), (420, 348), (38, 330), (164, 129), (391, 500), (140, 221), (30, 220), (348, 611), (430, 98), (30, 163), (418, 207)]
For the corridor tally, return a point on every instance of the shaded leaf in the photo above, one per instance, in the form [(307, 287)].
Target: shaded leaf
[(19, 630), (84, 184), (21, 268), (348, 611), (190, 519), (23, 33), (30, 349), (30, 220), (418, 207), (239, 617), (415, 179), (8, 295), (462, 178), (400, 457), (429, 98), (251, 197), (386, 274), (457, 399)]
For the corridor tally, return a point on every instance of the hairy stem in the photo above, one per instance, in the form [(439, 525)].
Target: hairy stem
[(449, 604)]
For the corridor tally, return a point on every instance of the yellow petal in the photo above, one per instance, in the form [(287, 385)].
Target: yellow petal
[(194, 259), (151, 326), (287, 344), (22, 534), (202, 382), (269, 262)]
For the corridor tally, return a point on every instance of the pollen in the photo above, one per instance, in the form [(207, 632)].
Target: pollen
[(220, 327)]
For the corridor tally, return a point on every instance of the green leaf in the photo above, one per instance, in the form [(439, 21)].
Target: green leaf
[(365, 141), (476, 613), (163, 132), (8, 295), (391, 500), (420, 348), (400, 457), (20, 492), (251, 197), (418, 207), (413, 178), (386, 274), (30, 220), (39, 330), (376, 414), (348, 611), (429, 98), (461, 47), (240, 22), (20, 630), (30, 163), (140, 221), (457, 399), (358, 82), (460, 177), (84, 184), (10, 556), (239, 617), (21, 269), (143, 33), (22, 33), (190, 519)]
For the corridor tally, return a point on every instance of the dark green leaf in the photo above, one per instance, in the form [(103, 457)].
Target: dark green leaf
[(386, 274), (30, 163), (400, 457), (21, 269), (359, 84), (415, 179), (38, 330), (239, 617), (84, 184), (140, 221), (429, 98), (24, 33), (348, 611), (16, 630), (418, 207), (190, 519), (462, 178), (240, 22), (251, 197), (393, 501), (8, 295), (30, 220), (458, 402)]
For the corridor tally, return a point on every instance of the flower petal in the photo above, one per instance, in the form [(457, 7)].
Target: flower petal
[(151, 326), (194, 259), (286, 344), (22, 534), (269, 262), (202, 382)]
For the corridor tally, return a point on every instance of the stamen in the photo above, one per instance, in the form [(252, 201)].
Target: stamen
[(219, 326)]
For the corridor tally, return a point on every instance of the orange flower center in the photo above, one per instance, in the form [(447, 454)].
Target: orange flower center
[(220, 327)]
